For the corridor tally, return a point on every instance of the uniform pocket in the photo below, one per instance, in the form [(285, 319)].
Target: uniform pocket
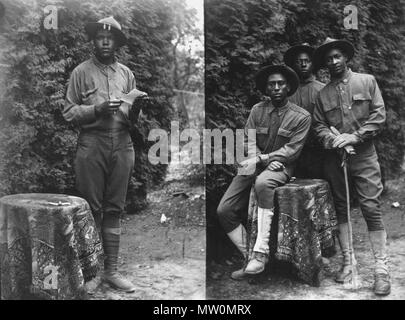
[(334, 116), (283, 137), (361, 106), (262, 134)]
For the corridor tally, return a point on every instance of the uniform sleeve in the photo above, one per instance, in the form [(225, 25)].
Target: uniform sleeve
[(250, 141), (74, 110), (377, 114), (320, 125), (291, 150)]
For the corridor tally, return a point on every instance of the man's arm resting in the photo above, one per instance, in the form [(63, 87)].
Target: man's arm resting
[(292, 149)]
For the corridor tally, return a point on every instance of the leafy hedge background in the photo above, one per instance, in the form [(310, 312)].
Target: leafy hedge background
[(37, 145), (242, 35)]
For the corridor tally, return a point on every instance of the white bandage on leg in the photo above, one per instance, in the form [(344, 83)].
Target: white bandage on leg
[(264, 218)]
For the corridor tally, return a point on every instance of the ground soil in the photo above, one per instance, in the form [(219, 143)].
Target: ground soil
[(280, 285), (165, 260)]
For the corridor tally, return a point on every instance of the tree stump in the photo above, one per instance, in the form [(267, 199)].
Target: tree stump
[(302, 227), (49, 246)]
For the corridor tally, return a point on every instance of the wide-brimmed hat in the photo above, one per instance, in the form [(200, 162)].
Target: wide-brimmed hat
[(263, 75), (291, 54), (110, 24), (330, 43)]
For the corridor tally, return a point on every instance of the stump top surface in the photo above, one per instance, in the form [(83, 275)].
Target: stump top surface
[(44, 200), (304, 183)]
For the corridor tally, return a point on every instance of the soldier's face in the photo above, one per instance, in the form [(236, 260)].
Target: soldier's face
[(336, 61), (277, 87), (105, 44), (303, 65)]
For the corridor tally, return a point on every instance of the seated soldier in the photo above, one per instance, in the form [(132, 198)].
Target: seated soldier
[(281, 129)]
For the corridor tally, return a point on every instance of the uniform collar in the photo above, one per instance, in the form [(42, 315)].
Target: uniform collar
[(345, 79), (308, 80), (102, 66), (281, 110)]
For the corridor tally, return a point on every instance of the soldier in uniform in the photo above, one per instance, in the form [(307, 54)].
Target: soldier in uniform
[(352, 103), (281, 129), (299, 57), (105, 155)]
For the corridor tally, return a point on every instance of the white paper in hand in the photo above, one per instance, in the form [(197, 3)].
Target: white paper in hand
[(132, 95)]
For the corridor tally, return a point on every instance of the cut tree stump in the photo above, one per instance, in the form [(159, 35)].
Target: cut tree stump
[(49, 246), (302, 227)]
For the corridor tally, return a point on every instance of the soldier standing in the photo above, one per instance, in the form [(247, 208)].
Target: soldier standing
[(105, 155), (352, 103), (299, 57)]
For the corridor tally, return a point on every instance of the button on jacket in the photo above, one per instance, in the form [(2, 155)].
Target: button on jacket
[(289, 138), (352, 105), (92, 83)]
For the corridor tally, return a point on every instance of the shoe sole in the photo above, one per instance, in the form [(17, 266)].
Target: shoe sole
[(257, 272), (381, 293), (239, 278), (118, 288)]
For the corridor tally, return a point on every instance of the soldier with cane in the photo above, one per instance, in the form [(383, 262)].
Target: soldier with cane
[(350, 111)]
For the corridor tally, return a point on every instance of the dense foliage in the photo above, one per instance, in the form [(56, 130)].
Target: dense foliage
[(37, 146), (243, 35)]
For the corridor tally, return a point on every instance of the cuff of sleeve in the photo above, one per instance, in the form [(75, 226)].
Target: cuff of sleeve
[(89, 113), (359, 135), (328, 141), (276, 158)]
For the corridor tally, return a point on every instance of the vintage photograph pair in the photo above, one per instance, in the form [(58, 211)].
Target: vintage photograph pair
[(202, 150)]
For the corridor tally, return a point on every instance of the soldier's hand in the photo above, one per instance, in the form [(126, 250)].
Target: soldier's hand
[(345, 139), (107, 107), (276, 166)]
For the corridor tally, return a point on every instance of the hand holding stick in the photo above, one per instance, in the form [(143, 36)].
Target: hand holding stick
[(349, 149)]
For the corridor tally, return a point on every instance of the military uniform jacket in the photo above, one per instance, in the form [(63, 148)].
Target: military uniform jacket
[(352, 105), (284, 146)]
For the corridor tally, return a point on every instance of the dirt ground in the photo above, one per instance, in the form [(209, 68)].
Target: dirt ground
[(280, 285), (165, 260)]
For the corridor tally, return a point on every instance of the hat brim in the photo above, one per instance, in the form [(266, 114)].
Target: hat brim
[(91, 29), (263, 75), (320, 52), (291, 54)]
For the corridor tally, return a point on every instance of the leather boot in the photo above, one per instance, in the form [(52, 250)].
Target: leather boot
[(238, 237), (345, 273), (261, 249), (111, 241), (382, 280)]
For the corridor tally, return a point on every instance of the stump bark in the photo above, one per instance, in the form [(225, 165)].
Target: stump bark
[(49, 246)]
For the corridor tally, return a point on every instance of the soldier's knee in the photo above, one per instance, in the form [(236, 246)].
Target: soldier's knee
[(223, 211), (262, 185)]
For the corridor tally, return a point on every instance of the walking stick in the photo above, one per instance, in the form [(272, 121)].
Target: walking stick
[(348, 150), (353, 262)]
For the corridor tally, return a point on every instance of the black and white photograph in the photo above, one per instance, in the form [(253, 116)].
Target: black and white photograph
[(321, 215), (202, 154), (87, 211)]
